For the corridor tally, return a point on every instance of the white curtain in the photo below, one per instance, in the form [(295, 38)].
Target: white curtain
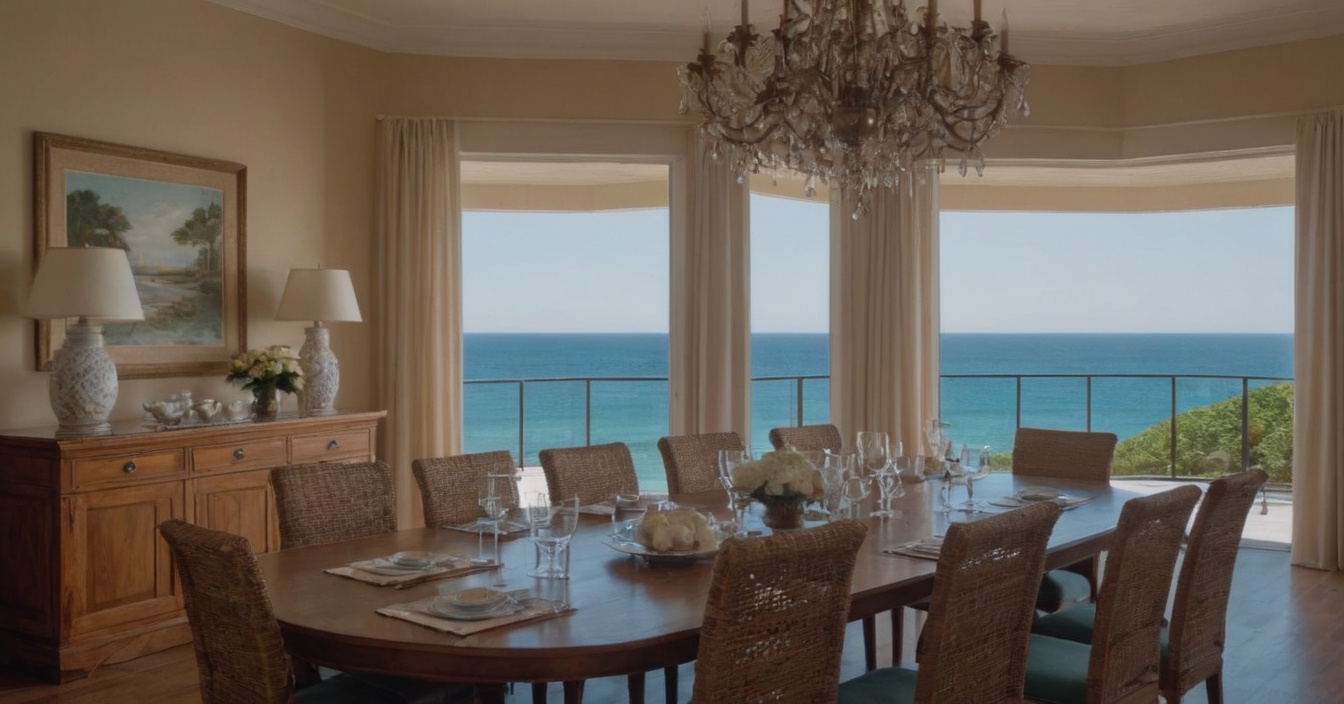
[(884, 310), (710, 341), (1318, 415), (419, 344)]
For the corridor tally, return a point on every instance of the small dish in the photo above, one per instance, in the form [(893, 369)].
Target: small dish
[(444, 607), (633, 548), (475, 599), (413, 559), (1038, 493)]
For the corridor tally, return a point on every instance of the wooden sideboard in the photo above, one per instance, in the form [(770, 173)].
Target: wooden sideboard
[(85, 578)]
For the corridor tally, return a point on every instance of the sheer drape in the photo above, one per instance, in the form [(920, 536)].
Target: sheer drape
[(884, 310), (710, 354), (1318, 423), (419, 344)]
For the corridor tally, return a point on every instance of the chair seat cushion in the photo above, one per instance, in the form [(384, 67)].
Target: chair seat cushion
[(1075, 624), (381, 689), (889, 685), (1062, 588), (1057, 670)]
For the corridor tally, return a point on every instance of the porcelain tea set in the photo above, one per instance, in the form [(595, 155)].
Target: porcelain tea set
[(180, 407)]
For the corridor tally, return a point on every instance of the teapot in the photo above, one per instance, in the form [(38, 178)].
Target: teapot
[(166, 412), (207, 409), (237, 410)]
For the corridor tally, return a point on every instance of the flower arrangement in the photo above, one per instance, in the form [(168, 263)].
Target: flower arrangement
[(263, 372), (779, 475)]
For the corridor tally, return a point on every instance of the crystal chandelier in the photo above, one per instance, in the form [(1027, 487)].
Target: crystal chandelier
[(853, 92)]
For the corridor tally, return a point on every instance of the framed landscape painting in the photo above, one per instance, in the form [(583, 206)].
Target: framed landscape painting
[(181, 220)]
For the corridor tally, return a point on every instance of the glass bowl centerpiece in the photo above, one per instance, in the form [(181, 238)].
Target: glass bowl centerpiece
[(782, 481), (265, 373)]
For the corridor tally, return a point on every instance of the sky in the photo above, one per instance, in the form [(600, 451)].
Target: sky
[(1201, 271)]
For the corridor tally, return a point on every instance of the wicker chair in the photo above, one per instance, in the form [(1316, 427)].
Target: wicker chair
[(807, 437), (775, 618), (692, 461), (1123, 660), (974, 646), (239, 652), (450, 487), (593, 473), (1192, 648), (324, 503), (1066, 454)]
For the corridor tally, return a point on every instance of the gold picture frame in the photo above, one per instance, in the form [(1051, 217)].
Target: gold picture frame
[(182, 221)]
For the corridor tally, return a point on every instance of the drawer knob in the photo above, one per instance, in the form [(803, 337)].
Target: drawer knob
[(239, 454), (333, 445), (129, 467)]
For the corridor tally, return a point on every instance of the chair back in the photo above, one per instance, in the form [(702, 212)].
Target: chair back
[(807, 437), (974, 645), (1066, 454), (239, 652), (1127, 631), (450, 487), (775, 618), (593, 473), (324, 503), (1199, 608), (692, 461)]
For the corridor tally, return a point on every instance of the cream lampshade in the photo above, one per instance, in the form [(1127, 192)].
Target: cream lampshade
[(87, 283), (319, 295)]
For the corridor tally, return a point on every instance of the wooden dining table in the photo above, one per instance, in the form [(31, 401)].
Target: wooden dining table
[(631, 615)]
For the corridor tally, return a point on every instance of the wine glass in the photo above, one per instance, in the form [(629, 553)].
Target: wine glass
[(834, 469), (889, 486), (855, 490), (552, 526), (973, 472), (738, 499), (493, 500)]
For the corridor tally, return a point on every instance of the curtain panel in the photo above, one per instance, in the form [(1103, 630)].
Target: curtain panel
[(419, 332), (710, 341), (1318, 413), (884, 310)]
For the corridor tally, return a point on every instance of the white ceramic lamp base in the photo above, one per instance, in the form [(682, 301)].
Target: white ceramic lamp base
[(321, 372), (83, 383)]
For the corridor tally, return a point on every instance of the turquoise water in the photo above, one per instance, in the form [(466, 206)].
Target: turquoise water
[(981, 411)]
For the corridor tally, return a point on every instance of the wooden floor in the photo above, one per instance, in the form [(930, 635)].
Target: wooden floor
[(1285, 645)]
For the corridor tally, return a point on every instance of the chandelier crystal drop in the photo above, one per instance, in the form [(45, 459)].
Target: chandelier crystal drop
[(854, 92)]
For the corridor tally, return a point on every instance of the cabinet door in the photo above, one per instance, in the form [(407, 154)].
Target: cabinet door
[(241, 504), (118, 569)]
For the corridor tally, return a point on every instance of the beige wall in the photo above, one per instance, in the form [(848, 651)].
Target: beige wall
[(191, 77)]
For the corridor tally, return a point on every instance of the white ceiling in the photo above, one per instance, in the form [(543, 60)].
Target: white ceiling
[(1080, 32)]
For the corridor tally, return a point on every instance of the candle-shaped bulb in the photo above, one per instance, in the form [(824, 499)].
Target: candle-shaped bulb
[(977, 10), (744, 13), (1003, 35), (932, 18)]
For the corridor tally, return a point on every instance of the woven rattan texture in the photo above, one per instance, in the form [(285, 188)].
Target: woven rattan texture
[(450, 487), (974, 644), (1126, 635), (239, 652), (324, 503), (1199, 608), (593, 473), (1067, 454), (692, 461), (775, 618), (807, 437)]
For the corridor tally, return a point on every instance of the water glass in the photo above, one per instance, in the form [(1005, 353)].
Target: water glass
[(890, 488), (552, 526), (627, 510), (737, 498)]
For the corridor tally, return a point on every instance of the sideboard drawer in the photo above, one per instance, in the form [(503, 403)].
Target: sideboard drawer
[(324, 447), (239, 455), (127, 468)]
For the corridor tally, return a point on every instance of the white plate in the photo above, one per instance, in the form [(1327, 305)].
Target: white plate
[(630, 548), (1038, 493), (475, 599), (413, 559), (444, 607)]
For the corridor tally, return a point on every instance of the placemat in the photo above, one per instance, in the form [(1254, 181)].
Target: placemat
[(368, 572), (924, 548), (1065, 502), (533, 610), (506, 528)]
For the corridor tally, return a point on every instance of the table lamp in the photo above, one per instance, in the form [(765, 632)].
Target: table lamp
[(319, 295), (86, 283)]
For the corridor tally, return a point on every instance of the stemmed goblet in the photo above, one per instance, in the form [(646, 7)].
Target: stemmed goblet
[(875, 457), (493, 500), (974, 472), (552, 526), (738, 499)]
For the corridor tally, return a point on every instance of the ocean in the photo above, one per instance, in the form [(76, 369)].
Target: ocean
[(632, 406)]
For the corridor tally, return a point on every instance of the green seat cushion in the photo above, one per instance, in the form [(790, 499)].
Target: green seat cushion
[(1061, 588), (889, 685), (1073, 624), (1057, 670)]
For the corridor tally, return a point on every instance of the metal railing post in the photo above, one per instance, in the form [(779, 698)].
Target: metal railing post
[(800, 401), (1173, 428), (1089, 403), (522, 421), (1245, 423), (587, 411)]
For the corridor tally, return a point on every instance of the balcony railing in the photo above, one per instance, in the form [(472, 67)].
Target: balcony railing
[(997, 398)]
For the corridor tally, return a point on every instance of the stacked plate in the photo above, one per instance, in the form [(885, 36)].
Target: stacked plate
[(475, 604)]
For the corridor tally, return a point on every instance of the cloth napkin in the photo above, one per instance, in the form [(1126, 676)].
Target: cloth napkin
[(1065, 502), (369, 572), (416, 612), (924, 548), (599, 509)]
